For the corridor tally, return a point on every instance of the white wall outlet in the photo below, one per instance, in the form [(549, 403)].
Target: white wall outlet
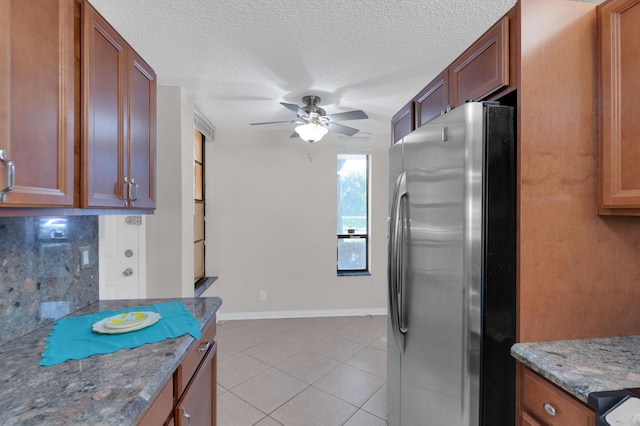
[(263, 295), (84, 257)]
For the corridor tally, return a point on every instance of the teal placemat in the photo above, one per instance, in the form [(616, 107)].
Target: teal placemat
[(73, 338)]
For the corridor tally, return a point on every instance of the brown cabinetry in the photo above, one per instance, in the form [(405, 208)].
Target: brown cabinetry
[(51, 46), (478, 74), (37, 117), (189, 398), (119, 115), (545, 404), (483, 68), (197, 406), (619, 174), (433, 100), (402, 123)]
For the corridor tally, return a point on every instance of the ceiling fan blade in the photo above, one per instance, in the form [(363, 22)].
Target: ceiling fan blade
[(351, 115), (339, 128), (295, 108), (275, 122), (295, 135)]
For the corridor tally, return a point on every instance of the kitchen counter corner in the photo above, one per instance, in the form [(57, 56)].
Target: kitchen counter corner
[(115, 388), (583, 366)]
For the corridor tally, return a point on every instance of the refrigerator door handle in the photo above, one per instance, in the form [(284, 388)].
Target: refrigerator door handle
[(400, 260), (395, 268)]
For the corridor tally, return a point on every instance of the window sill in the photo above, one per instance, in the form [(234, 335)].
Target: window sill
[(202, 284), (353, 274)]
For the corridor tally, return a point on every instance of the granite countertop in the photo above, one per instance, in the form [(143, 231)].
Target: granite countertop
[(112, 389), (583, 366)]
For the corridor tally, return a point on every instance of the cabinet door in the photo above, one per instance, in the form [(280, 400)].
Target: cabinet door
[(550, 404), (483, 68), (142, 137), (104, 94), (37, 78), (402, 123), (433, 100), (619, 31), (527, 420), (197, 407)]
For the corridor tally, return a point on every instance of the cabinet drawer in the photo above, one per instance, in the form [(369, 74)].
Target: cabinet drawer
[(483, 68), (161, 408), (196, 355), (538, 393)]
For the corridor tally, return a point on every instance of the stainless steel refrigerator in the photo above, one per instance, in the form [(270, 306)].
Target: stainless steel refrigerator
[(452, 253)]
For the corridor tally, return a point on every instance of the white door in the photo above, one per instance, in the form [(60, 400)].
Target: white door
[(122, 257)]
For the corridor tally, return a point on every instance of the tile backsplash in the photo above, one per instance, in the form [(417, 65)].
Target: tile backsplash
[(41, 278)]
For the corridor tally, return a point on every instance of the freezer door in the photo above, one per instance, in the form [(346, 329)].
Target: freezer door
[(434, 382), (393, 343)]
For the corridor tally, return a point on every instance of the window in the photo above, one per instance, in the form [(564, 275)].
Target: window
[(353, 205)]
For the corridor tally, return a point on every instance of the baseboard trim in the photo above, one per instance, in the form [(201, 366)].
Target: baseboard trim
[(221, 316)]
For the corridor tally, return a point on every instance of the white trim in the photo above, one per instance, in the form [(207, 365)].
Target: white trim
[(359, 144), (203, 125), (300, 314)]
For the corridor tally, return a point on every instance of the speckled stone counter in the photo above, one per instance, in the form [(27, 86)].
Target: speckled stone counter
[(112, 389), (585, 365)]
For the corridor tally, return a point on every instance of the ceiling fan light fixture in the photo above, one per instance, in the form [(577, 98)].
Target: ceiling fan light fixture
[(311, 132)]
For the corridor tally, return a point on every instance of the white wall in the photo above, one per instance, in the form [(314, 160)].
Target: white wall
[(271, 225), (170, 229)]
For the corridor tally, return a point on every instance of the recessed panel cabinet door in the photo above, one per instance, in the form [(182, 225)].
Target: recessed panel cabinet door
[(142, 125), (37, 103), (619, 31), (197, 407), (104, 94)]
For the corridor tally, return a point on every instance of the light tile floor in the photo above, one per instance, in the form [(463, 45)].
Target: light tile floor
[(302, 372)]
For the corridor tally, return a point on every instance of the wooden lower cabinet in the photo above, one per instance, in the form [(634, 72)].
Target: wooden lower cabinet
[(545, 404), (197, 406), (527, 420), (189, 398)]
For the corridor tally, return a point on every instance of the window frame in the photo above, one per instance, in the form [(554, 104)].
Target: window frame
[(366, 235)]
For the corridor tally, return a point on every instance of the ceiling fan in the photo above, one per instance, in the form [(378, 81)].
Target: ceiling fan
[(313, 122)]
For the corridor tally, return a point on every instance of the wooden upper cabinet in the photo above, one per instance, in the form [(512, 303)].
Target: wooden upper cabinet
[(433, 100), (619, 34), (119, 88), (483, 68), (37, 77), (104, 64), (402, 123), (142, 133)]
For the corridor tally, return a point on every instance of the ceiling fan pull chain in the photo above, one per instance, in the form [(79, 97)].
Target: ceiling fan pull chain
[(309, 156)]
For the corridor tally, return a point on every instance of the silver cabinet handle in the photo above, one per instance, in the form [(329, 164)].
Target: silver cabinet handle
[(550, 409), (127, 272), (11, 174), (186, 416), (135, 186), (126, 191), (205, 347)]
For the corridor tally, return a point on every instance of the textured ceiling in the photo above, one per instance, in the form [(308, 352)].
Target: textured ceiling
[(238, 59)]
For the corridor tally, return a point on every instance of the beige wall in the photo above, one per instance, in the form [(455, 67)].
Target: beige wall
[(170, 229), (271, 226)]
